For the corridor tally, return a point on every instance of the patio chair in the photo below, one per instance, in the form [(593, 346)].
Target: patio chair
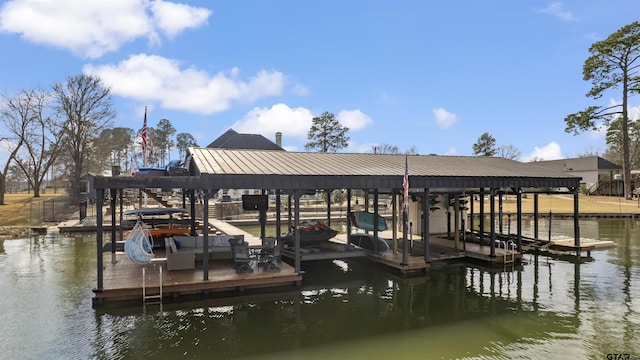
[(233, 242), (241, 259), (266, 252), (271, 259)]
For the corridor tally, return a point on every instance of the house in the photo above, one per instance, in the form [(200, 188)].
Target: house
[(599, 176), (234, 140)]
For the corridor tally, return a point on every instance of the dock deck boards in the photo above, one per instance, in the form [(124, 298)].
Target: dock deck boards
[(123, 280)]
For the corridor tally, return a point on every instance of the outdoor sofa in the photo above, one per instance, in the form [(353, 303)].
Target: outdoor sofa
[(183, 251)]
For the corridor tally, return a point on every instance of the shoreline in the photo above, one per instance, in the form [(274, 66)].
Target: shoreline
[(560, 206)]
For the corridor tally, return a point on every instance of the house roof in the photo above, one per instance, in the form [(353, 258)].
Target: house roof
[(587, 163), (234, 140)]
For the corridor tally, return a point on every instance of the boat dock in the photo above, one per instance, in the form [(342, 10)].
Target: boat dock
[(123, 279)]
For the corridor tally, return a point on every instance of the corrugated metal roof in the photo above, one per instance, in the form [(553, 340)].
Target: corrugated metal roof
[(245, 164), (212, 169)]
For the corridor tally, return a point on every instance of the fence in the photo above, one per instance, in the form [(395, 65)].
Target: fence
[(54, 209)]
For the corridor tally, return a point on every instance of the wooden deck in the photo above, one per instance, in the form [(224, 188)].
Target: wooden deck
[(395, 261), (123, 280), (479, 252)]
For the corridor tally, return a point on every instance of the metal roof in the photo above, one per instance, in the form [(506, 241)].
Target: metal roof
[(224, 168), (587, 163), (213, 169)]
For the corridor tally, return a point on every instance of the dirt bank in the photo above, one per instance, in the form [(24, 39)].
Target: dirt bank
[(15, 232)]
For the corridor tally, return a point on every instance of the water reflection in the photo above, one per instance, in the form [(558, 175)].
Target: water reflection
[(542, 309), (348, 302)]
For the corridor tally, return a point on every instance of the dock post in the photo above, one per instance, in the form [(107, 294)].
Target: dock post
[(99, 236), (492, 205), (426, 207), (481, 225), (576, 223)]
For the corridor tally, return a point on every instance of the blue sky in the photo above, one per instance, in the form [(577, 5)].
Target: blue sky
[(434, 75)]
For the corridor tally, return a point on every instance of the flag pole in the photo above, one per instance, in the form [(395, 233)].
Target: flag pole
[(143, 147), (405, 212)]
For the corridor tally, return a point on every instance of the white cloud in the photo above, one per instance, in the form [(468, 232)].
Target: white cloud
[(154, 78), (89, 29), (300, 90), (633, 112), (291, 122), (550, 151), (444, 119), (173, 18), (557, 9), (295, 123), (355, 147), (451, 151), (354, 119)]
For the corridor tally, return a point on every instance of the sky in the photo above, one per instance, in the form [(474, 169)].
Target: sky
[(424, 74)]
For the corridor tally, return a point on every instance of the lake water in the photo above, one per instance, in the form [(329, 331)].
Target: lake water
[(546, 309)]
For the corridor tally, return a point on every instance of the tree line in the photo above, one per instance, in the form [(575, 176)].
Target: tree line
[(65, 131)]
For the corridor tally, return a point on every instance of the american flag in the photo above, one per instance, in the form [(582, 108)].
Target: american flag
[(143, 146), (405, 185)]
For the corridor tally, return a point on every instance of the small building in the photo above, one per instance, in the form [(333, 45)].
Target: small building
[(599, 176)]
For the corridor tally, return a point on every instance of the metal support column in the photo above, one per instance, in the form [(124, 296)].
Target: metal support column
[(112, 210), (375, 221), (348, 211), (492, 201), (328, 207), (296, 237), (205, 236), (536, 227), (278, 213), (481, 217), (99, 236), (576, 221), (426, 206), (519, 217)]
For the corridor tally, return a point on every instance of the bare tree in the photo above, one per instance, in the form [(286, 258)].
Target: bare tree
[(385, 149), (17, 113), (85, 104), (413, 150), (41, 145), (509, 152)]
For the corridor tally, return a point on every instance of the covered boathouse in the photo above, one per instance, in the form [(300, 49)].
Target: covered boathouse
[(294, 174)]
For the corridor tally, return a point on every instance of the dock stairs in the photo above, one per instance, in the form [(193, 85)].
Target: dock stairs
[(156, 197)]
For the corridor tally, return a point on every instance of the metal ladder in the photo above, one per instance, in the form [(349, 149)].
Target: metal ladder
[(145, 298), (507, 245)]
